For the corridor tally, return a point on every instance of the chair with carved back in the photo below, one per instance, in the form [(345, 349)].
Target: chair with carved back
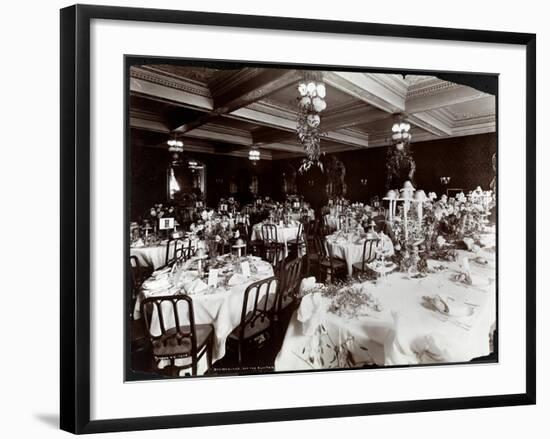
[(257, 315), (174, 335)]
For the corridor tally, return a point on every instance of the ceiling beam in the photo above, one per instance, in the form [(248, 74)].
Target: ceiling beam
[(253, 89), (368, 88), (332, 123), (429, 123)]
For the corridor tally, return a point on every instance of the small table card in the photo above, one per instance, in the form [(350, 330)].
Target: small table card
[(213, 277), (166, 223), (245, 268)]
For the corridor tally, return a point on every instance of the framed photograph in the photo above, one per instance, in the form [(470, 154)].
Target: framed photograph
[(256, 204)]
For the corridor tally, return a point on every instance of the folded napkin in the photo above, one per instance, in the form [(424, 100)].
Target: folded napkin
[(157, 284), (236, 279), (465, 275), (308, 283), (448, 306), (195, 286), (138, 243), (469, 243), (312, 313)]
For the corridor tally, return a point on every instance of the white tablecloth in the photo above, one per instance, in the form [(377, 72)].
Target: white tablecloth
[(154, 256), (351, 250), (150, 256), (284, 234), (297, 216), (405, 331), (221, 307)]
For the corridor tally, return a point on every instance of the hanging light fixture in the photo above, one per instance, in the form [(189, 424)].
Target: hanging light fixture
[(401, 135), (254, 155), (311, 102), (175, 147)]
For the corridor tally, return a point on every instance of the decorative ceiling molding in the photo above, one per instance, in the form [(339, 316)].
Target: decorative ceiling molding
[(262, 98), (141, 87), (442, 94), (165, 79), (429, 87)]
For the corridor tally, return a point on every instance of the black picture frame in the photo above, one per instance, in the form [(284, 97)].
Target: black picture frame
[(75, 218)]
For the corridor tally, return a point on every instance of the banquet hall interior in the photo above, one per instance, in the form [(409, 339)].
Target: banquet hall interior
[(285, 220)]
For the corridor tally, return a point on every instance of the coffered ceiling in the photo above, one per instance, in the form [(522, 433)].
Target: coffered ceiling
[(227, 111)]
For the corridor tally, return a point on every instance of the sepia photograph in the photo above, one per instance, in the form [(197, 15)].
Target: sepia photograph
[(287, 219)]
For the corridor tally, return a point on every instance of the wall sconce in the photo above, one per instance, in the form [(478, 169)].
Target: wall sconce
[(363, 181), (445, 180), (311, 182), (219, 180)]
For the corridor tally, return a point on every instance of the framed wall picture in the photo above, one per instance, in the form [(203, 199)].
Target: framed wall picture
[(285, 218)]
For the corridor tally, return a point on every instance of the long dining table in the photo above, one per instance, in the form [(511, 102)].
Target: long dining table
[(415, 319)]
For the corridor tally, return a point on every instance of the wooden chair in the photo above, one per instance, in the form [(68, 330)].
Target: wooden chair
[(176, 250), (298, 243), (328, 264), (185, 339), (257, 315), (273, 249), (290, 285), (311, 256), (369, 254)]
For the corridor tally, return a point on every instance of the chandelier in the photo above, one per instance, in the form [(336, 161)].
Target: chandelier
[(401, 135), (311, 102), (254, 156), (175, 147)]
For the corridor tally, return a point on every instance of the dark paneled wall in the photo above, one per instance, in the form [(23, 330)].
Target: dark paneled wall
[(467, 160), (149, 165)]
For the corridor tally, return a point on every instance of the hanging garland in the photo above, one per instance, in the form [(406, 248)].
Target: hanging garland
[(399, 157), (398, 160), (311, 102)]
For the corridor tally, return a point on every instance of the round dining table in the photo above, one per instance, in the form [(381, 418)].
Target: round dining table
[(219, 305), (285, 233), (348, 246)]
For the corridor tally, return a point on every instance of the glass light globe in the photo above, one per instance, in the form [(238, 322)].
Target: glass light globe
[(321, 90), (311, 88), (318, 104), (302, 88), (402, 127), (395, 128), (305, 101)]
